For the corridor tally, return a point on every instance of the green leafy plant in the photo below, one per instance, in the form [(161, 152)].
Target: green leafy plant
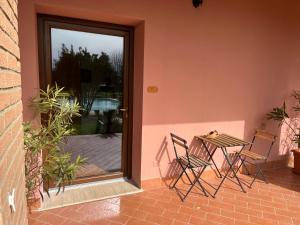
[(57, 108), (280, 114)]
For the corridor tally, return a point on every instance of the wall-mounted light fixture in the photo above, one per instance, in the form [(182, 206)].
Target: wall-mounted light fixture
[(197, 3)]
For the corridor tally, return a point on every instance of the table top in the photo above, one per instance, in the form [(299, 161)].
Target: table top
[(224, 140)]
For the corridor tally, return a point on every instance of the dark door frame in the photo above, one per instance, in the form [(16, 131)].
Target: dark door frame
[(45, 23)]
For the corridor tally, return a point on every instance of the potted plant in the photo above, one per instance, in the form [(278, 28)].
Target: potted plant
[(281, 115), (56, 110)]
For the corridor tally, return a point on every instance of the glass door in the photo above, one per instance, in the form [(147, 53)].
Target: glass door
[(91, 63)]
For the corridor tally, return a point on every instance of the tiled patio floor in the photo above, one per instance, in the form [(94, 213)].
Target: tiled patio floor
[(277, 202)]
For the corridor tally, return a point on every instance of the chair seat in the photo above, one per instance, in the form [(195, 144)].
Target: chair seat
[(252, 155), (194, 161)]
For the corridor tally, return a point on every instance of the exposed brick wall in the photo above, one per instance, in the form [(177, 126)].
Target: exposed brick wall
[(11, 133)]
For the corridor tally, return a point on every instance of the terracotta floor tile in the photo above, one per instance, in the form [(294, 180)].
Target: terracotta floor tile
[(256, 206), (159, 219), (267, 209), (34, 215), (167, 206), (135, 213), (279, 218), (199, 201), (121, 219), (296, 221), (133, 221), (241, 222), (274, 204), (262, 221), (221, 205), (151, 209), (35, 222), (235, 215), (99, 222), (52, 219), (186, 210), (176, 222), (70, 222), (220, 219), (176, 216), (277, 202), (294, 209), (198, 221), (247, 211), (284, 212), (228, 195), (210, 209), (98, 216), (187, 204), (234, 202)]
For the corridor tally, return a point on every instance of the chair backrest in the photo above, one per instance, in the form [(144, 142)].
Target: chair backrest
[(266, 136), (179, 142)]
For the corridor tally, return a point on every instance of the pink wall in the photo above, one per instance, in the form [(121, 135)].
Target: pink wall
[(222, 66)]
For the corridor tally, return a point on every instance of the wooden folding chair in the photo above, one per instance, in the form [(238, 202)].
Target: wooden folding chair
[(189, 162), (256, 158)]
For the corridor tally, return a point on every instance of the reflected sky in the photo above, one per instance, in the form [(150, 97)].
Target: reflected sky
[(95, 43)]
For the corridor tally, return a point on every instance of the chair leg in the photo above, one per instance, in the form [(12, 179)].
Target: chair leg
[(188, 177), (246, 168), (193, 184), (256, 175), (196, 180), (242, 164), (177, 179), (259, 171), (183, 172), (263, 176)]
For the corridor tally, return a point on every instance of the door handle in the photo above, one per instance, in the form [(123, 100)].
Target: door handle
[(125, 111)]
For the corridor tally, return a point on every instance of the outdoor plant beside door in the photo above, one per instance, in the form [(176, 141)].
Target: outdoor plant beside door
[(57, 110), (281, 115)]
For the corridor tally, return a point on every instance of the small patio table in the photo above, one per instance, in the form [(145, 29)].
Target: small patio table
[(223, 141)]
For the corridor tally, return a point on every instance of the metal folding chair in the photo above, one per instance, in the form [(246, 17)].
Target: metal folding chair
[(256, 158), (189, 162)]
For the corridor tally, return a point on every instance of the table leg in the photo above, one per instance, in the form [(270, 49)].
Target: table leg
[(210, 158), (231, 169)]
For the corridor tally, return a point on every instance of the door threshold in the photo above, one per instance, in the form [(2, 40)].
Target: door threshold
[(83, 193), (89, 184)]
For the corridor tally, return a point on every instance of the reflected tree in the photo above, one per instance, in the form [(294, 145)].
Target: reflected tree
[(87, 76), (117, 62)]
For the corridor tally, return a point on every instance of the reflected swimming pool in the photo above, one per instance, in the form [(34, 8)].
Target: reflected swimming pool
[(105, 104)]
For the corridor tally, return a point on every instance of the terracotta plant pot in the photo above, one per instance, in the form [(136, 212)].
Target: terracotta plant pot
[(296, 161)]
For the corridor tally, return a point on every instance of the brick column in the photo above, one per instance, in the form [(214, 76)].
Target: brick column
[(11, 133)]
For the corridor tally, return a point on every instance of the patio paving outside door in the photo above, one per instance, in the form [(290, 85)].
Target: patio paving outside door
[(92, 63)]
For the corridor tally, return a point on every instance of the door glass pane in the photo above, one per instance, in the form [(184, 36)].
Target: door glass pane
[(90, 67)]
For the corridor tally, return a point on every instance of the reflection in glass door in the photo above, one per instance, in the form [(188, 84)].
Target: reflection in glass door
[(91, 65)]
